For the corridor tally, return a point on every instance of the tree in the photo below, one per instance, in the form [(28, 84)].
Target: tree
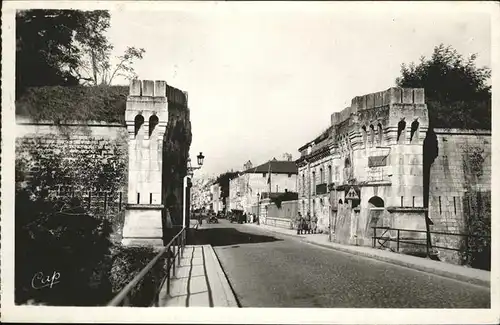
[(65, 48), (47, 52), (457, 91), (96, 64)]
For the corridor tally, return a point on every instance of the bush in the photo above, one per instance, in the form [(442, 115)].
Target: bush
[(58, 236), (127, 263), (59, 104), (476, 252)]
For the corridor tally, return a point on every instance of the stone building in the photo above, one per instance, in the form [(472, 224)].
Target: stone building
[(274, 176), (367, 169), (215, 197)]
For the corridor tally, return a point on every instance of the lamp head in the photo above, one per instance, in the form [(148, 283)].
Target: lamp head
[(200, 158)]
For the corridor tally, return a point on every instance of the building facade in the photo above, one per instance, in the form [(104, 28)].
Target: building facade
[(371, 158), (275, 176), (216, 198), (374, 166)]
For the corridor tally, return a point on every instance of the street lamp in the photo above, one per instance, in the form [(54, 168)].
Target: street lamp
[(187, 181)]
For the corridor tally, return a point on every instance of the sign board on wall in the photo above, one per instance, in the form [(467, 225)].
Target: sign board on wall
[(353, 193)]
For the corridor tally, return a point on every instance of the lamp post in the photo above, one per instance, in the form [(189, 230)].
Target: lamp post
[(186, 183)]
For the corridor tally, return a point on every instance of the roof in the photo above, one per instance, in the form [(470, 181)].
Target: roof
[(275, 166), (323, 136)]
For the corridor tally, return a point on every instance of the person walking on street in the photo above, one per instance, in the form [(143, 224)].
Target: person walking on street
[(308, 222), (200, 218), (298, 223), (314, 223)]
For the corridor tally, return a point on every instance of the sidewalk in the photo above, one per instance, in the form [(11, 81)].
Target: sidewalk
[(199, 281), (457, 272)]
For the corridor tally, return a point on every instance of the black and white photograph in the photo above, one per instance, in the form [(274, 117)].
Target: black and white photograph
[(255, 162)]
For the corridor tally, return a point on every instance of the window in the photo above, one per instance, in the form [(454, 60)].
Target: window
[(321, 176), (153, 121), (363, 131), (138, 122), (414, 130), (380, 134), (347, 163), (329, 174), (401, 128), (314, 182), (372, 136), (303, 184)]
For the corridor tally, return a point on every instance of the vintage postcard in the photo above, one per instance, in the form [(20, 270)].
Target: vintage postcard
[(249, 162)]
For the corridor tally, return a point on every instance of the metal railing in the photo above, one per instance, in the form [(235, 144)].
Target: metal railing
[(174, 250), (383, 239)]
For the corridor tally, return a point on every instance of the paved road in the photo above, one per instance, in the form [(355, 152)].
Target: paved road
[(269, 270)]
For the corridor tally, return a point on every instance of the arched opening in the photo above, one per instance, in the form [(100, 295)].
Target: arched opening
[(372, 135), (380, 134), (401, 127), (376, 201), (376, 212), (153, 121), (363, 131), (138, 122), (414, 130), (340, 201)]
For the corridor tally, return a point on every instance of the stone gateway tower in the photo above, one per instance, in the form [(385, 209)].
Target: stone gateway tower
[(366, 169), (147, 117)]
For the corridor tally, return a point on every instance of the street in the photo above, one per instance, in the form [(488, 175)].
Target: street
[(271, 270)]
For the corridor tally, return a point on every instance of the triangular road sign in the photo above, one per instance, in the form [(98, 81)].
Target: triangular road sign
[(351, 194)]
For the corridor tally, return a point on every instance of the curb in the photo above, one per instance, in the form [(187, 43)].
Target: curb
[(230, 296), (414, 266)]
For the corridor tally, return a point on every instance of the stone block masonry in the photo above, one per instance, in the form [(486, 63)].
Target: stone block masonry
[(461, 170), (76, 141), (159, 136), (373, 147)]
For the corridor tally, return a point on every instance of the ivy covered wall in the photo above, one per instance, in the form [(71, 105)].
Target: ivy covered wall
[(176, 144), (95, 159), (459, 191)]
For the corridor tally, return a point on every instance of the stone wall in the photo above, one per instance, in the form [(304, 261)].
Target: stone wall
[(461, 170), (74, 141), (270, 214)]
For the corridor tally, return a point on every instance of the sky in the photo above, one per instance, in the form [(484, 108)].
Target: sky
[(263, 81)]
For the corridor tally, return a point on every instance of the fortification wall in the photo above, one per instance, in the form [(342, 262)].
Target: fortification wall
[(460, 173), (79, 145), (78, 139)]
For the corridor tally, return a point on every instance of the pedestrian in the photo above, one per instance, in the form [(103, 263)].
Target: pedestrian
[(298, 222), (308, 222), (314, 222), (200, 218)]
